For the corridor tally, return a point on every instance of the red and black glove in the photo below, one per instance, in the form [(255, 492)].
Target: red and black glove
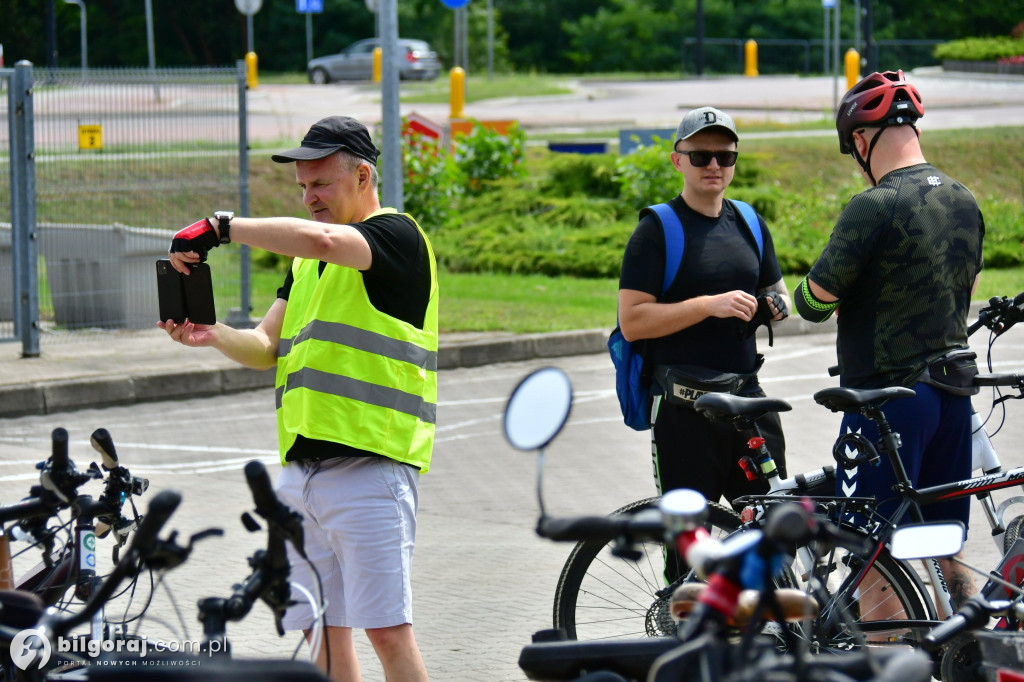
[(199, 237)]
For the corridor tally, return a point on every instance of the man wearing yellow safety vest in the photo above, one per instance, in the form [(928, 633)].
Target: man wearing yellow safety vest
[(353, 334)]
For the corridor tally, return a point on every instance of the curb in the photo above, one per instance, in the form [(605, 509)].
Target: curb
[(49, 397)]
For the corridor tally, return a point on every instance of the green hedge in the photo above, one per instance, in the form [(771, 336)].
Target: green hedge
[(981, 49), (573, 214)]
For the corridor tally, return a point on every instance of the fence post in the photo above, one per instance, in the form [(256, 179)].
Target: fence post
[(24, 242), (242, 317)]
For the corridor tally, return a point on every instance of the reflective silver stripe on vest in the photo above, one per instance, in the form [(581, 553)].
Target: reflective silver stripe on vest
[(363, 391), (361, 339)]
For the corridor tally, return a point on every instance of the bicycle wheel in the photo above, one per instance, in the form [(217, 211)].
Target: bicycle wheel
[(600, 595), (888, 607)]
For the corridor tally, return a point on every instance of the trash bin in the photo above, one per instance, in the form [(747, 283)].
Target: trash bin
[(102, 275)]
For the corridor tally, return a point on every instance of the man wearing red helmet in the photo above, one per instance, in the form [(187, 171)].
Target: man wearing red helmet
[(902, 263)]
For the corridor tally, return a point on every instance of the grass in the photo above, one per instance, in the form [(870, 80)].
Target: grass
[(526, 304)]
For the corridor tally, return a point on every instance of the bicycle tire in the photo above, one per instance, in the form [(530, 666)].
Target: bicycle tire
[(1013, 531), (601, 596), (902, 597)]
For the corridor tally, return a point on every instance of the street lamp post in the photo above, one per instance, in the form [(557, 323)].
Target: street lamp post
[(85, 46)]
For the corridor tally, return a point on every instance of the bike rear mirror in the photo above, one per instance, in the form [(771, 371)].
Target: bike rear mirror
[(927, 540), (538, 408)]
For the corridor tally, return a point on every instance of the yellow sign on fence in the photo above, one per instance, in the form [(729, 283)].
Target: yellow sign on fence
[(90, 137)]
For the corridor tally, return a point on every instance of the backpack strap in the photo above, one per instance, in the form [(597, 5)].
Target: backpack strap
[(675, 242), (749, 216)]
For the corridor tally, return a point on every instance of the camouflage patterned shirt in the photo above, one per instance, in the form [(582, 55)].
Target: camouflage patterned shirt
[(902, 260)]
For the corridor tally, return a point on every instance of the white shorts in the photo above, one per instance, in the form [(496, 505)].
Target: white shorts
[(359, 522)]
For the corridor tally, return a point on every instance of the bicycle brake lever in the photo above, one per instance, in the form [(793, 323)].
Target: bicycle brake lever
[(203, 534)]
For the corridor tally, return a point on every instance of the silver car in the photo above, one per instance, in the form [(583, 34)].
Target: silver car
[(415, 61)]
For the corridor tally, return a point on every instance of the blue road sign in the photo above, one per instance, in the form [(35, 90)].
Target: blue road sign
[(454, 4), (309, 6)]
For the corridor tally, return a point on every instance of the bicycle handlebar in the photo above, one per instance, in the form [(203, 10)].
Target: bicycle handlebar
[(641, 526), (103, 444), (792, 523), (262, 492), (59, 449), (160, 509), (972, 614), (1000, 314), (33, 507), (1007, 379)]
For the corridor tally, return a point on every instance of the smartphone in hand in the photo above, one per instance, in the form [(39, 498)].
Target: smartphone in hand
[(184, 296)]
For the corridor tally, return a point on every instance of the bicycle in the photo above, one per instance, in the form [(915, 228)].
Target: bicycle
[(30, 650), (630, 596), (72, 565), (533, 417)]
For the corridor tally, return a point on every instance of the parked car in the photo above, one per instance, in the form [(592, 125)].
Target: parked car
[(416, 60)]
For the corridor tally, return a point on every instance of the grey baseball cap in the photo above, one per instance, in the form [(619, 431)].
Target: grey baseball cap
[(705, 118)]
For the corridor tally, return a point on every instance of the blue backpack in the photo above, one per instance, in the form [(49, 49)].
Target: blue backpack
[(632, 382)]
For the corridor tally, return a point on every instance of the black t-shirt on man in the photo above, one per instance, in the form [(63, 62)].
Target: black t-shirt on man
[(719, 255)]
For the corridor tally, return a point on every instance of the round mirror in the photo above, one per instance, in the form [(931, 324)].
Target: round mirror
[(538, 408)]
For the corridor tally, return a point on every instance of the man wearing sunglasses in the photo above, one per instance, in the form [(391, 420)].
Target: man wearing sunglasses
[(701, 328)]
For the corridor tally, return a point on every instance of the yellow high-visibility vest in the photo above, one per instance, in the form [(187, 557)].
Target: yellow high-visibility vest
[(347, 373)]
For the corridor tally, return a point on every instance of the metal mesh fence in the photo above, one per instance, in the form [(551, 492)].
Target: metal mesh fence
[(807, 57), (123, 158)]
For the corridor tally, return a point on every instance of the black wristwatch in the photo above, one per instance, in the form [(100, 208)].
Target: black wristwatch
[(224, 225)]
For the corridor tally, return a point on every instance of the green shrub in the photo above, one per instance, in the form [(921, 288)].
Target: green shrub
[(646, 176), (484, 156), (433, 181), (980, 49), (590, 174)]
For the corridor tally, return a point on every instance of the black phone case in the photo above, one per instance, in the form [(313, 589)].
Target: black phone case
[(199, 305), (170, 292), (185, 297)]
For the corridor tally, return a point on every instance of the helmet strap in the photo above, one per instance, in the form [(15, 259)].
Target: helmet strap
[(865, 162)]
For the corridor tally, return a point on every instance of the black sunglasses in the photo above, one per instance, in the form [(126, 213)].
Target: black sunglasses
[(700, 159)]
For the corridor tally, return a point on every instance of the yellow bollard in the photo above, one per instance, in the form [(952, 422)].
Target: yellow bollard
[(750, 58), (457, 83), (251, 78), (377, 52), (852, 63)]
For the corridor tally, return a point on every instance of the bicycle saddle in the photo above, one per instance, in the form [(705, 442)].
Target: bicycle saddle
[(721, 406), (854, 399)]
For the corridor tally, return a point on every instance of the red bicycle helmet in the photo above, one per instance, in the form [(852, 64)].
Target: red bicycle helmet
[(879, 100)]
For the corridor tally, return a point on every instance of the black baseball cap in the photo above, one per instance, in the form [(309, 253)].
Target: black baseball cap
[(329, 135)]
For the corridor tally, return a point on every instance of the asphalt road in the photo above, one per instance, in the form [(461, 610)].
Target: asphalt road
[(483, 581)]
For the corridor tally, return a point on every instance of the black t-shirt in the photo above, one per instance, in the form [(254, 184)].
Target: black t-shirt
[(397, 283), (719, 255), (902, 261)]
